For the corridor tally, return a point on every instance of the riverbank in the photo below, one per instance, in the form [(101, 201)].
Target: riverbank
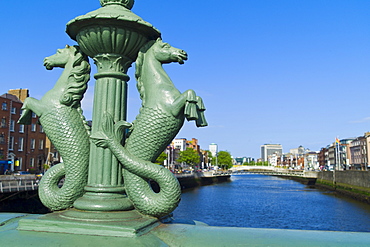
[(193, 180), (29, 202), (252, 210), (353, 184), (260, 201)]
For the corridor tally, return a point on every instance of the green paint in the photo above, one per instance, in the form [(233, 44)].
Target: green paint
[(179, 234), (126, 224), (112, 36), (162, 115), (61, 116), (114, 174)]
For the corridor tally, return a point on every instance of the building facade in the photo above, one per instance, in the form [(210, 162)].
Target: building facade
[(268, 150), (179, 143), (213, 148), (311, 161), (358, 151), (22, 145)]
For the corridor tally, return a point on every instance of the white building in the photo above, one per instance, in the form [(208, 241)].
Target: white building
[(311, 161), (273, 159), (270, 149), (213, 148), (298, 151), (179, 143)]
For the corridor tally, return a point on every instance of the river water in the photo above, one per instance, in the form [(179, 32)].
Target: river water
[(259, 201)]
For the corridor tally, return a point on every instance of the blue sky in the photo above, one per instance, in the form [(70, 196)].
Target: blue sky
[(293, 72)]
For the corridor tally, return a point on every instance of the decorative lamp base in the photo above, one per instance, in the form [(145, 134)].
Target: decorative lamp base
[(114, 224)]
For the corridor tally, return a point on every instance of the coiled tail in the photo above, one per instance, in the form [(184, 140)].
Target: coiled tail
[(68, 133), (138, 171)]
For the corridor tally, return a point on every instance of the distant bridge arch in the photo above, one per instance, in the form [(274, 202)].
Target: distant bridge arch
[(273, 171)]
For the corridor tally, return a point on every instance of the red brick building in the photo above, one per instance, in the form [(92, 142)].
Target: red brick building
[(23, 145)]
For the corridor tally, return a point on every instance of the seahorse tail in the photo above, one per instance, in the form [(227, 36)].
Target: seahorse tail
[(137, 173), (153, 131), (49, 189), (145, 200), (68, 134)]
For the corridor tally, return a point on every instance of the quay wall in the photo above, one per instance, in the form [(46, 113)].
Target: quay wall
[(354, 178), (350, 183), (29, 202), (353, 184), (195, 180)]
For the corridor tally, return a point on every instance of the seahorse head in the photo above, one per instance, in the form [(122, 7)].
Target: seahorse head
[(78, 77)]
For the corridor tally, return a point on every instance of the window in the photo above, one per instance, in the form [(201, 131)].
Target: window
[(41, 144), (21, 128), (14, 110), (41, 129), (20, 144), (32, 144), (2, 138), (32, 162), (33, 127), (3, 123), (20, 111), (11, 143), (33, 115), (12, 124), (4, 106)]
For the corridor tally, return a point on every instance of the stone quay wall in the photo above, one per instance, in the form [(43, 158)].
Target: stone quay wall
[(353, 184), (193, 180), (354, 178)]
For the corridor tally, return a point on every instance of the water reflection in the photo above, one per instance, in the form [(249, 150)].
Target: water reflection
[(260, 201)]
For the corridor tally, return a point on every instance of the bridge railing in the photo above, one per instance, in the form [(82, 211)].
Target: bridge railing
[(18, 183), (280, 172), (203, 174)]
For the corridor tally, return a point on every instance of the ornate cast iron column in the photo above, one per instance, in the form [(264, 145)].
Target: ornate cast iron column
[(112, 36)]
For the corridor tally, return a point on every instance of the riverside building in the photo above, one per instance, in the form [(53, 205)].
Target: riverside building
[(268, 150)]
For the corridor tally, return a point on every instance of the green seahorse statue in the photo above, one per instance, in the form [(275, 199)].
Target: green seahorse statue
[(161, 117), (60, 115)]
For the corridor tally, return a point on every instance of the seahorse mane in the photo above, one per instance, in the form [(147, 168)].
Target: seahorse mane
[(139, 65), (77, 80)]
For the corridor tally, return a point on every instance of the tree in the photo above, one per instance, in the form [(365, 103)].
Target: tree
[(161, 158), (189, 156), (224, 160), (251, 163)]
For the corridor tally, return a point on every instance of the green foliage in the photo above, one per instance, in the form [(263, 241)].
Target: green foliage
[(189, 156), (46, 167), (161, 158), (32, 170), (209, 154), (211, 159), (252, 163), (224, 160)]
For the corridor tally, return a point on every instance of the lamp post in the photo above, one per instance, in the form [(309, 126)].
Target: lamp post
[(112, 36)]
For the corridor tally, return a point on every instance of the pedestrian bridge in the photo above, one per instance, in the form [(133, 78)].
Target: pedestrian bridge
[(273, 171)]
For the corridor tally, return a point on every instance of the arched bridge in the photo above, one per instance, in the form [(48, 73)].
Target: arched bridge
[(273, 171)]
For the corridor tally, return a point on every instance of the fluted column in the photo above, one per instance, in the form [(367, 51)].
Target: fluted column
[(105, 190)]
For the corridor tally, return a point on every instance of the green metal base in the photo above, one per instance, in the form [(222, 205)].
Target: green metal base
[(114, 224), (174, 234), (108, 202)]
